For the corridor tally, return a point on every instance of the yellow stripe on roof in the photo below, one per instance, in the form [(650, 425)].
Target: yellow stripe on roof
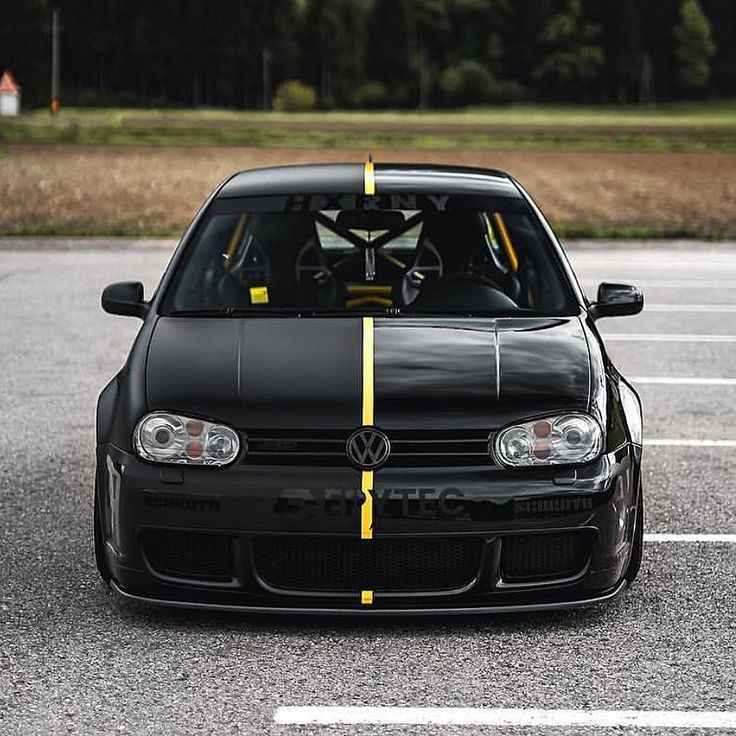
[(369, 178)]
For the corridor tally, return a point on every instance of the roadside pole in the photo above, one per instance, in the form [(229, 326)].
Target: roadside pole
[(55, 61)]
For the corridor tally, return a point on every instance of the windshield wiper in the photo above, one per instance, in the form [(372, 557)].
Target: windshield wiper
[(337, 312), (234, 312), (490, 313), (272, 312)]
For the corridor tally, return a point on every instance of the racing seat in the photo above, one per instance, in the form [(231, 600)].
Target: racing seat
[(281, 236), (460, 239)]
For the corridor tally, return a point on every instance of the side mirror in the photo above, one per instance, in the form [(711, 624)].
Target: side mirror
[(125, 298), (617, 300)]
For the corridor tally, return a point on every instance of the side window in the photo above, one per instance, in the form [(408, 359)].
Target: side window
[(204, 262), (538, 275)]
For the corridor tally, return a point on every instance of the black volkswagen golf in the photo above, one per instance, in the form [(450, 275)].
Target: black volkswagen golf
[(374, 389)]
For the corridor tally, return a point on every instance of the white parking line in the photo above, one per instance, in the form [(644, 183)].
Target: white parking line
[(708, 308), (659, 442), (657, 284), (692, 538), (685, 381), (611, 268), (664, 337), (387, 715), (589, 271)]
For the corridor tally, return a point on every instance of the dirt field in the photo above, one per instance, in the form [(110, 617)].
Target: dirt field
[(130, 189)]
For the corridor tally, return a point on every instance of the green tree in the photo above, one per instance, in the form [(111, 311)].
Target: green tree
[(478, 28), (722, 16), (24, 47), (694, 47), (372, 53), (389, 57), (465, 83), (629, 49), (571, 59), (294, 96), (333, 57), (428, 20)]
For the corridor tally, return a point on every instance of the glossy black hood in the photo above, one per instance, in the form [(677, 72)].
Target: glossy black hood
[(307, 373)]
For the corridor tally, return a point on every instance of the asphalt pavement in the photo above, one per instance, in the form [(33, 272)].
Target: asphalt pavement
[(73, 659)]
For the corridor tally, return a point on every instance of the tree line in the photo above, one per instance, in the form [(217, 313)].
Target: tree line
[(371, 53)]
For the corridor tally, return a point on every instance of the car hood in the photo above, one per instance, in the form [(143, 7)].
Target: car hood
[(429, 373)]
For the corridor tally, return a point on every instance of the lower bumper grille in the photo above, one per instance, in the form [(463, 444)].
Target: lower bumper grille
[(349, 565), (193, 555), (530, 557)]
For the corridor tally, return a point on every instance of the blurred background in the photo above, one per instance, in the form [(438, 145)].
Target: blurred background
[(619, 115)]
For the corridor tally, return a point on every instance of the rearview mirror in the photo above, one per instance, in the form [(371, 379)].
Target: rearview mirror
[(125, 298), (371, 220), (617, 300)]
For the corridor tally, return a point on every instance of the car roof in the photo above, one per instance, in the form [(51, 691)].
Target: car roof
[(349, 178)]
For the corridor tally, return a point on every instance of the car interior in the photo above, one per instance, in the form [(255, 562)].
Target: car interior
[(365, 260)]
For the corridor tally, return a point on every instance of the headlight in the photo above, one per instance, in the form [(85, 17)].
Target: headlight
[(560, 440), (170, 438)]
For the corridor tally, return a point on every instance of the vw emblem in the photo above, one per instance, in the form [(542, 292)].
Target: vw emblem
[(368, 448)]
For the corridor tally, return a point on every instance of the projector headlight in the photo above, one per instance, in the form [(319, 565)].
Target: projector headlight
[(558, 440), (170, 438)]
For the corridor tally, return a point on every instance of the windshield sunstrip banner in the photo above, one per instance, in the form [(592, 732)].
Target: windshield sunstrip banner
[(339, 202)]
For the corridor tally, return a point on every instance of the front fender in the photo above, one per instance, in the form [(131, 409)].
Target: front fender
[(106, 411)]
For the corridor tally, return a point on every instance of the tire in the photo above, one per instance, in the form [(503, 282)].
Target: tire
[(100, 556), (637, 544)]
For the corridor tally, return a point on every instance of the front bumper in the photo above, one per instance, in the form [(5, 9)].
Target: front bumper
[(485, 504), (496, 608)]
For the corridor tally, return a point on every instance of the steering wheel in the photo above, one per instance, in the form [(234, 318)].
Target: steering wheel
[(225, 282), (253, 267), (313, 271)]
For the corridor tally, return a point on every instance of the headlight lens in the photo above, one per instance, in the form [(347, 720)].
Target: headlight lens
[(171, 438), (559, 440)]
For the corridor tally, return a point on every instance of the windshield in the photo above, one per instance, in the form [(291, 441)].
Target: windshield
[(403, 255)]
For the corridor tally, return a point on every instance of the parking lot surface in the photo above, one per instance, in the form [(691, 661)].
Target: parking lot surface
[(75, 660)]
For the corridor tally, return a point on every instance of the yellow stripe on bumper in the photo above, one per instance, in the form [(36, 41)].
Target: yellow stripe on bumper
[(366, 508)]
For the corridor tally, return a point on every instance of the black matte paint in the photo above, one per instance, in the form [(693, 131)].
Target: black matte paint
[(258, 372), (304, 375)]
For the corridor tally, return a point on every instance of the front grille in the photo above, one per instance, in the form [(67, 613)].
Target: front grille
[(531, 557), (189, 554), (409, 448), (341, 564)]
